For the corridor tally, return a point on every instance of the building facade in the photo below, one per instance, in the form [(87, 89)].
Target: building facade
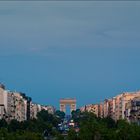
[(14, 105), (132, 111), (123, 106), (35, 108), (91, 108)]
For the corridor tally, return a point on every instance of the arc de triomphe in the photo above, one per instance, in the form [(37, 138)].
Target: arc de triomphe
[(67, 101)]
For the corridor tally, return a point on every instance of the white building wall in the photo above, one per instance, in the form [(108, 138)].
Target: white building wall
[(5, 100), (1, 96)]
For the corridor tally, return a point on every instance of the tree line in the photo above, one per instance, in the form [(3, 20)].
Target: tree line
[(91, 128), (95, 128), (32, 129)]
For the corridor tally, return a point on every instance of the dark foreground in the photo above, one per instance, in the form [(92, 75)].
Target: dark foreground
[(55, 127)]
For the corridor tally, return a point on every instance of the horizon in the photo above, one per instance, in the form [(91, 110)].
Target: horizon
[(67, 106), (83, 50)]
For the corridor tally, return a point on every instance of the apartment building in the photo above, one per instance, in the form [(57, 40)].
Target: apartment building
[(105, 108), (100, 110), (3, 101), (117, 107), (48, 108), (132, 110), (35, 108), (14, 105), (126, 97), (91, 108), (83, 108), (17, 107)]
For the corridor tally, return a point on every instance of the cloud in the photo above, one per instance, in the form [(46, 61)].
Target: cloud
[(35, 27)]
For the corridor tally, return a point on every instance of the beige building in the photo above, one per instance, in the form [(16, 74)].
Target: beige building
[(120, 102), (111, 108), (108, 108), (48, 108), (126, 97), (83, 108), (118, 107), (132, 110), (51, 109), (35, 108), (128, 108), (100, 110), (17, 107), (3, 102), (105, 108), (90, 108)]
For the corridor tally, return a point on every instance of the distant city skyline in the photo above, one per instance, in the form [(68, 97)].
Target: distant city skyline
[(83, 50)]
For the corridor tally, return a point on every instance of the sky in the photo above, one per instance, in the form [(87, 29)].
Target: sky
[(84, 50)]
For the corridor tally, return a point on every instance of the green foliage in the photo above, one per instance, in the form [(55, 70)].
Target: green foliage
[(59, 137), (14, 126), (3, 123), (29, 130), (60, 114), (91, 128), (19, 135), (72, 135), (76, 115)]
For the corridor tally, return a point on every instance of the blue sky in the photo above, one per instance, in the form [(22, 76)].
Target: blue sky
[(86, 50)]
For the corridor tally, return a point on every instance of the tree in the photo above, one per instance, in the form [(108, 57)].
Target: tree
[(3, 123), (76, 115), (60, 114), (72, 135), (13, 126)]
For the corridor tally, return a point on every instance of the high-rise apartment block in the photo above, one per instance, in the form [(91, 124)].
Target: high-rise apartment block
[(132, 110), (91, 108), (123, 106), (48, 108), (16, 105), (13, 105)]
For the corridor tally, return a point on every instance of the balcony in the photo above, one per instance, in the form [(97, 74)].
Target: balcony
[(133, 111)]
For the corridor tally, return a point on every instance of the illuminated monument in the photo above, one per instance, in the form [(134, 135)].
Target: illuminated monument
[(67, 101)]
